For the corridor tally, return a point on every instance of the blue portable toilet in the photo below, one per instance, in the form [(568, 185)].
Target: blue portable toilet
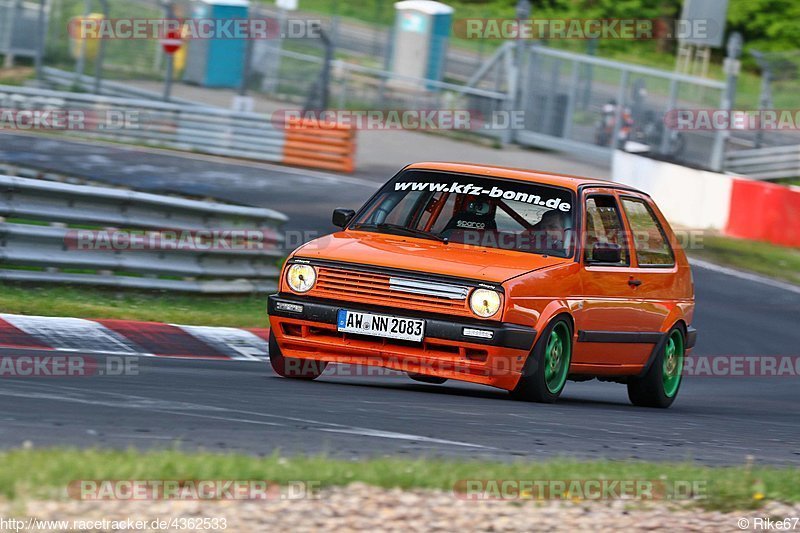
[(217, 62), (421, 34)]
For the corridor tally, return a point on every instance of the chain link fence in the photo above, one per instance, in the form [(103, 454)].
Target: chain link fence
[(122, 59), (574, 102), (576, 99)]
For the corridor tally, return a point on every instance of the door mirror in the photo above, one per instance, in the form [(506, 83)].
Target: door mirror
[(606, 252), (342, 217)]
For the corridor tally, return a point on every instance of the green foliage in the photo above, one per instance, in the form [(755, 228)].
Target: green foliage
[(766, 24)]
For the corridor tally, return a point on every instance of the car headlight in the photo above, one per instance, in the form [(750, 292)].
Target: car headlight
[(484, 302), (301, 278)]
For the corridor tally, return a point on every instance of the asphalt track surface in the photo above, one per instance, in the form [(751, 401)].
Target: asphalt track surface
[(233, 405), (307, 196)]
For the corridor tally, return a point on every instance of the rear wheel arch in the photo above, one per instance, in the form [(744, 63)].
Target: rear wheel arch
[(680, 323)]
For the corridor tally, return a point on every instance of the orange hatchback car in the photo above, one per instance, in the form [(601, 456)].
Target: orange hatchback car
[(516, 279)]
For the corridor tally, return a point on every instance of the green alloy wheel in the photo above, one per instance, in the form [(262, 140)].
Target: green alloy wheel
[(556, 358), (547, 367), (659, 386), (673, 363)]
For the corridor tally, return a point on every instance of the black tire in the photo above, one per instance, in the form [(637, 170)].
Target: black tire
[(434, 380), (292, 367), (533, 385), (649, 390)]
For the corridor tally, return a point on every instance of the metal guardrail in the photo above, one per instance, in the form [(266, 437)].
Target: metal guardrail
[(49, 253), (61, 79), (204, 129), (209, 130), (765, 163)]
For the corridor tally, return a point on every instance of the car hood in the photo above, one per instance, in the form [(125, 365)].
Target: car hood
[(424, 255)]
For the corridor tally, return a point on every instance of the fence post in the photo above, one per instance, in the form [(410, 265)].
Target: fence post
[(732, 66), (101, 52), (42, 28), (673, 97), (170, 57), (623, 84), (588, 71), (765, 97), (80, 65), (571, 97)]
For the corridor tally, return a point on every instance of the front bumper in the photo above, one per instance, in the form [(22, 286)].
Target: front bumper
[(309, 332)]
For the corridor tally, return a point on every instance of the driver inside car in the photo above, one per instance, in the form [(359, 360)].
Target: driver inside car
[(551, 232), (477, 215)]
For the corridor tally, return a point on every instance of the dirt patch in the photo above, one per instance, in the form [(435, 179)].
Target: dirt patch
[(360, 507)]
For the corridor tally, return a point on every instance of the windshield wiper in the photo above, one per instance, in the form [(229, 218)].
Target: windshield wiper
[(408, 231)]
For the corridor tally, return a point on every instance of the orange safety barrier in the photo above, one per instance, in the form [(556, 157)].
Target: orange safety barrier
[(764, 212), (326, 145)]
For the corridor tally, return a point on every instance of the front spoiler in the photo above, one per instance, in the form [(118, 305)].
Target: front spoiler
[(503, 335)]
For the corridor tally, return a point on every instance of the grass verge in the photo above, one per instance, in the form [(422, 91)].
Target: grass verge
[(780, 262), (88, 302), (45, 473)]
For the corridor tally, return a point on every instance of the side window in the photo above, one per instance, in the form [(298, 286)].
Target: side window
[(604, 225), (649, 239)]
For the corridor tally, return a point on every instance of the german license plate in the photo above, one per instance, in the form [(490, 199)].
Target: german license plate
[(391, 327)]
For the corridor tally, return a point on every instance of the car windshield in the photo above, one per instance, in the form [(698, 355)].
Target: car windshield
[(473, 210)]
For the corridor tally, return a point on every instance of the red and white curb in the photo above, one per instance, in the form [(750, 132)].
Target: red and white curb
[(126, 337)]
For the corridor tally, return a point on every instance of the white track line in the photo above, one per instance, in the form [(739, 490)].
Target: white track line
[(190, 409), (400, 436)]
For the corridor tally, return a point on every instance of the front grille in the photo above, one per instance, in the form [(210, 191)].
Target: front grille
[(390, 291)]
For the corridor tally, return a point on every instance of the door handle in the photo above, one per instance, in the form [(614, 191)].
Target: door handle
[(633, 282)]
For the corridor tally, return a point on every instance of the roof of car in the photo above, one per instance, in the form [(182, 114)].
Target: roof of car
[(538, 176)]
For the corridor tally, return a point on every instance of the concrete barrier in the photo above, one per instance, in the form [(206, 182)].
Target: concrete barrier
[(699, 199), (688, 197), (765, 212)]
